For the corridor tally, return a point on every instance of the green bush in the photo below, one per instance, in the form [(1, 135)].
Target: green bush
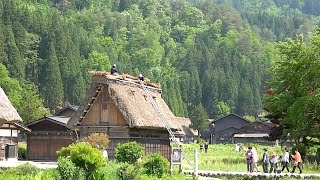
[(156, 165), (22, 151), (318, 152), (301, 148), (128, 171), (83, 156), (48, 174), (129, 152), (66, 169), (26, 168)]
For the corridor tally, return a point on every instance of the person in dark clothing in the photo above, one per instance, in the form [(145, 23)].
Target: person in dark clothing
[(141, 78), (206, 146), (201, 147), (265, 161), (114, 70)]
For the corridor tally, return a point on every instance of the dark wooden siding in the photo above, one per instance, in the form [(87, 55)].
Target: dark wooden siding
[(44, 146), (150, 145), (104, 112)]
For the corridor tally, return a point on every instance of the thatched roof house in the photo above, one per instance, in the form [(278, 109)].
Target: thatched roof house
[(185, 133), (9, 128), (131, 100), (7, 112), (119, 106)]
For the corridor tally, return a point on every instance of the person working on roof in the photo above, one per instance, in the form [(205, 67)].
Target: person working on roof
[(114, 70), (141, 77)]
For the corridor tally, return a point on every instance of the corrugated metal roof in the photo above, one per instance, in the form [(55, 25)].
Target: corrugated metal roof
[(61, 119), (260, 135)]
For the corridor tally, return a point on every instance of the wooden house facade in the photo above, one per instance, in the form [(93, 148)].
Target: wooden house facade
[(119, 107), (9, 128), (49, 134), (226, 127)]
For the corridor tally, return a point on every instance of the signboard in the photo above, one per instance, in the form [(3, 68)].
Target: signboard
[(176, 156)]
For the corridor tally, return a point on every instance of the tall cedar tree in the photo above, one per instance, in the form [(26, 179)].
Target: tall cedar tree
[(199, 119), (15, 63), (53, 86)]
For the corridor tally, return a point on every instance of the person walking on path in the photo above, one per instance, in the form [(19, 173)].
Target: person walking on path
[(274, 163), (255, 159), (249, 158), (285, 160), (206, 146), (297, 161), (201, 147), (265, 161)]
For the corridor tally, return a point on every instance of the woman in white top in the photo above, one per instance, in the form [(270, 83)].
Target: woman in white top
[(255, 159), (285, 160)]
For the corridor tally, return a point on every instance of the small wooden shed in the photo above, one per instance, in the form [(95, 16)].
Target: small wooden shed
[(9, 128), (49, 134), (119, 107)]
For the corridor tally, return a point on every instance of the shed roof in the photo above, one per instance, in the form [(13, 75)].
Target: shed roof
[(7, 112), (231, 114), (253, 135), (184, 126), (62, 120), (131, 100)]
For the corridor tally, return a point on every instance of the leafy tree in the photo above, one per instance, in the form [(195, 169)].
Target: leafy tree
[(199, 119), (223, 109), (293, 102)]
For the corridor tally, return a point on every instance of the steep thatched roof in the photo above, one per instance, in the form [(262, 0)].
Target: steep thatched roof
[(130, 98), (7, 112), (184, 125)]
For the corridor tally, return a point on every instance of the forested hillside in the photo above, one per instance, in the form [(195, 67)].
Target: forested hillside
[(213, 52)]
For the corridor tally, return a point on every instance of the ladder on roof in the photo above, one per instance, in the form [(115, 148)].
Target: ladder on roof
[(165, 122)]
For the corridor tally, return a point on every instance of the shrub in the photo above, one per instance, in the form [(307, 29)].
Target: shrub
[(98, 140), (318, 152), (22, 151), (83, 156), (156, 165), (26, 168), (301, 148), (129, 152), (48, 174), (128, 171), (66, 168)]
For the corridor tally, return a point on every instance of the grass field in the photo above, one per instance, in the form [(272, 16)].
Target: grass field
[(224, 158)]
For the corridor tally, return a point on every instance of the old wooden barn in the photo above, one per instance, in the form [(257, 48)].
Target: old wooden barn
[(119, 107), (9, 128), (49, 134)]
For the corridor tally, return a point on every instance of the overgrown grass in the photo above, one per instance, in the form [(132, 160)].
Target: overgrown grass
[(224, 158)]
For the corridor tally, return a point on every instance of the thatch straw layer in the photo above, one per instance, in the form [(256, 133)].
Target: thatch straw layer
[(7, 112)]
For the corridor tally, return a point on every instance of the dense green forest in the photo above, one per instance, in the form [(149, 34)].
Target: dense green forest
[(211, 52)]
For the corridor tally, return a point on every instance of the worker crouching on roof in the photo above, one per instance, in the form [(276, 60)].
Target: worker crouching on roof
[(141, 78), (114, 70)]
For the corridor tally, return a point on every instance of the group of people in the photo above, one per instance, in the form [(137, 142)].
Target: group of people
[(274, 160), (114, 71), (206, 146)]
